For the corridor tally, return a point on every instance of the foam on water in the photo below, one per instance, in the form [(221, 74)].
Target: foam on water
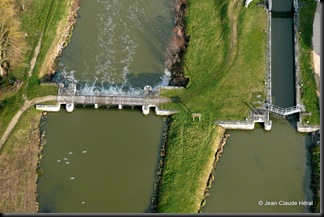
[(124, 33)]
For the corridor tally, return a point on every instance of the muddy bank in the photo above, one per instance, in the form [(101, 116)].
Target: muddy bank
[(211, 176), (177, 46)]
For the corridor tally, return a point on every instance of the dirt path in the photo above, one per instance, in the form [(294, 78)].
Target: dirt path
[(316, 46), (27, 104), (36, 52)]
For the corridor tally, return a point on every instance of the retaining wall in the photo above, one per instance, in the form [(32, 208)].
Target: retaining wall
[(49, 108), (237, 125), (303, 128)]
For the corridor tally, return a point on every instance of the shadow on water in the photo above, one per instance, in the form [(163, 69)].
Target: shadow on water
[(282, 14)]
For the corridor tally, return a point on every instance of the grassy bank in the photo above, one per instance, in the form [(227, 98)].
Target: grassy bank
[(226, 63), (308, 96), (18, 161)]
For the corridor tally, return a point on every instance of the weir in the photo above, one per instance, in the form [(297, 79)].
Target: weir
[(70, 97)]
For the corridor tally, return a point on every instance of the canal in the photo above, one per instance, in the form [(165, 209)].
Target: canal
[(259, 166), (105, 160)]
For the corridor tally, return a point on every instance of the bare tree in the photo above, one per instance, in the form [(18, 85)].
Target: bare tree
[(12, 42)]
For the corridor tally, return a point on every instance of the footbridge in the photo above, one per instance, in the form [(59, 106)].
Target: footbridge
[(282, 111), (69, 96)]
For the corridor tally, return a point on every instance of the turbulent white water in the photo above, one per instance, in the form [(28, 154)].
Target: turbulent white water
[(122, 50)]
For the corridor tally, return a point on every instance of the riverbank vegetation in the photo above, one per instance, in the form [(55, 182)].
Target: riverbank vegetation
[(40, 23), (309, 88), (225, 62), (315, 176)]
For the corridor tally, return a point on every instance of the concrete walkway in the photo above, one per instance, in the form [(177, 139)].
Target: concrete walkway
[(27, 104)]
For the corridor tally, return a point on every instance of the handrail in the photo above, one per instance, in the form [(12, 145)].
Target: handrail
[(282, 111)]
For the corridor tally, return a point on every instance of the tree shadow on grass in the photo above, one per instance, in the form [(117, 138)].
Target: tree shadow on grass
[(183, 107)]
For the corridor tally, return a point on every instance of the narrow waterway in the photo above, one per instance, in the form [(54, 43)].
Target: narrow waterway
[(105, 160), (258, 166), (260, 171)]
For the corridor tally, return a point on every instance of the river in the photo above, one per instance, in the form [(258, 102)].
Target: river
[(257, 166), (105, 160)]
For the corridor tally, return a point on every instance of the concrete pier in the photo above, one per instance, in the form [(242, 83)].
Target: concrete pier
[(69, 107), (49, 108)]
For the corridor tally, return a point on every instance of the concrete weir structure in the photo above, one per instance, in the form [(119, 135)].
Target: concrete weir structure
[(69, 96)]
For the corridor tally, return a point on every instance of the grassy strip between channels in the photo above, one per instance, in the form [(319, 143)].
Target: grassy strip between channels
[(226, 63), (190, 154), (308, 96)]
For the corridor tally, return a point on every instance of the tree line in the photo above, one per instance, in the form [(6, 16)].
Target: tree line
[(12, 39)]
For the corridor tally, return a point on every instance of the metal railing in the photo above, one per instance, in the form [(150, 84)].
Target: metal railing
[(282, 111)]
